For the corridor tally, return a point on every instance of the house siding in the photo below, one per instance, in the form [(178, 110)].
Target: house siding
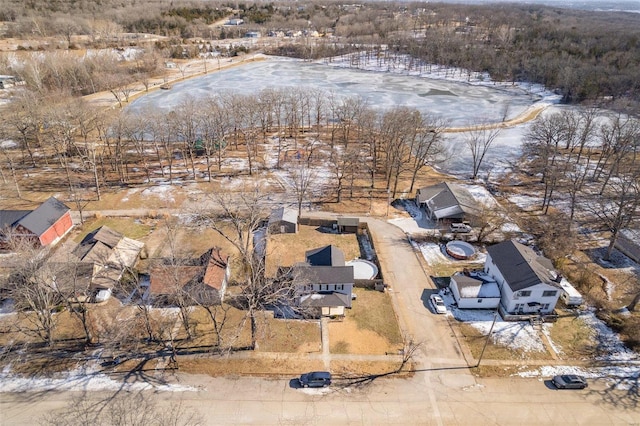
[(513, 303), (283, 227), (57, 230), (472, 302)]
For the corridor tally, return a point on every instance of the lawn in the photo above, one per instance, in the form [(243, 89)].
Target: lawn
[(369, 327), (573, 338), (129, 227), (293, 336), (288, 249), (225, 366)]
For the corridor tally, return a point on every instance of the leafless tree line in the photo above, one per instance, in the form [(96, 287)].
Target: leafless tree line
[(592, 161), (93, 147)]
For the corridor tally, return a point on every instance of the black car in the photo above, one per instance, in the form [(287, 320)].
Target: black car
[(570, 381), (316, 379)]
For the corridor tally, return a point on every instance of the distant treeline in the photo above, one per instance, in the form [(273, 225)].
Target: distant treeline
[(586, 56)]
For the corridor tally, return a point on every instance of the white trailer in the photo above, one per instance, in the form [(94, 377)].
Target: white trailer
[(570, 295)]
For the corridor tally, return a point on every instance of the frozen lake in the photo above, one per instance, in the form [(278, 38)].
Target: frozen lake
[(458, 102)]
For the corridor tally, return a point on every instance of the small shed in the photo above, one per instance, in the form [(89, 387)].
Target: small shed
[(475, 290), (283, 220), (348, 224)]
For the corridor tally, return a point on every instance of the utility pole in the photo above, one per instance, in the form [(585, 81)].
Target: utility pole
[(495, 317)]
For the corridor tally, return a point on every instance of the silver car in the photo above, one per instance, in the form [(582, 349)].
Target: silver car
[(569, 381)]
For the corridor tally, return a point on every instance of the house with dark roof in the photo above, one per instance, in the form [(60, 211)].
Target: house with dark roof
[(283, 220), (323, 282), (45, 225), (447, 202), (528, 282), (203, 280), (325, 256)]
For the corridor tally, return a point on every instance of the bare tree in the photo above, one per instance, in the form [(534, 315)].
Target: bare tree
[(619, 205), (427, 148), (479, 139), (34, 297), (302, 177)]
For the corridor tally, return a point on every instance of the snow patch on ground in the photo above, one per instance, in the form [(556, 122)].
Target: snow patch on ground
[(517, 335), (164, 192), (6, 144), (525, 202), (608, 341), (83, 379)]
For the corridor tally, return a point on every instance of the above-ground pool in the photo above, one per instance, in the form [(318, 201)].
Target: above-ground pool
[(363, 269), (460, 250)]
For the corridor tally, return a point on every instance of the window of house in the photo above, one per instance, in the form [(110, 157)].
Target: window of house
[(549, 293), (339, 286), (524, 293), (545, 307), (479, 300)]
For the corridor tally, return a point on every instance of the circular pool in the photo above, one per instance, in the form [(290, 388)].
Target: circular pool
[(363, 269), (460, 250)]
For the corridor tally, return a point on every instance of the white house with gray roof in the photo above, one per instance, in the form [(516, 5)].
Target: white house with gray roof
[(527, 281), (475, 290), (447, 202)]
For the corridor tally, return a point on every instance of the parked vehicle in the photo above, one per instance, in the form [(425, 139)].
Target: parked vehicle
[(461, 228), (569, 381), (315, 379), (438, 304)]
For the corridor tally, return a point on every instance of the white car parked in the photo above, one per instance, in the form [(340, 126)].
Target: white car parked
[(438, 304)]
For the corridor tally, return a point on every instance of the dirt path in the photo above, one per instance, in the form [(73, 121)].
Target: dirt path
[(192, 69), (529, 114)]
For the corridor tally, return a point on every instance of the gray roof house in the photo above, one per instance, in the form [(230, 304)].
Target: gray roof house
[(447, 201), (528, 282), (283, 220), (475, 290), (47, 224), (325, 256), (323, 282)]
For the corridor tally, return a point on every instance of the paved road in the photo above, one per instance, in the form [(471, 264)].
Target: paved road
[(511, 401)]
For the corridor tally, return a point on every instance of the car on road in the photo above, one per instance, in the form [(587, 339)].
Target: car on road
[(569, 381), (438, 304), (315, 379)]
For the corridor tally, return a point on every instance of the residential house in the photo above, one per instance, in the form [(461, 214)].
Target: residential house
[(110, 253), (283, 220), (324, 282), (203, 280), (447, 202), (44, 226), (527, 281), (475, 290)]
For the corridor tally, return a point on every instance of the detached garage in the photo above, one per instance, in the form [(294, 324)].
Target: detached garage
[(283, 221)]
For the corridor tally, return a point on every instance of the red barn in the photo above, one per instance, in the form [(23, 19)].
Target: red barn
[(47, 224)]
